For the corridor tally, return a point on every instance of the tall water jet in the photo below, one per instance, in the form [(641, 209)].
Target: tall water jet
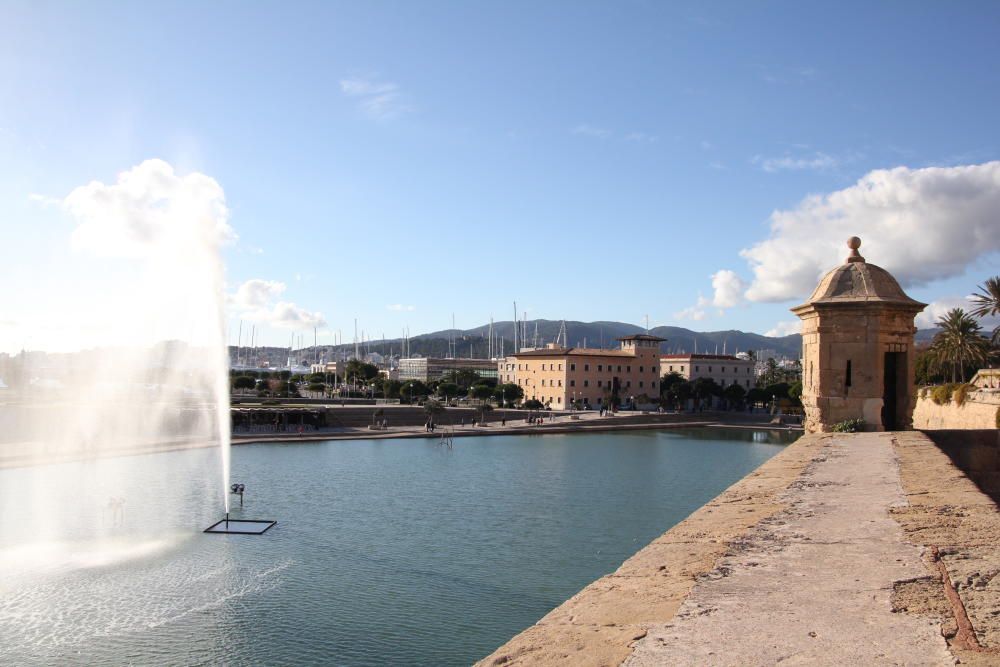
[(123, 356)]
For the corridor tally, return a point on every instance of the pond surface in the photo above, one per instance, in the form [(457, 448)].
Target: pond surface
[(400, 552)]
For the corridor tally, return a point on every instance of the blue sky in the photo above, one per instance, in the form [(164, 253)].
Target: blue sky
[(398, 162)]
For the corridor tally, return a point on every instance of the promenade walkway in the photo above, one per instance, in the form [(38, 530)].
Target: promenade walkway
[(812, 584)]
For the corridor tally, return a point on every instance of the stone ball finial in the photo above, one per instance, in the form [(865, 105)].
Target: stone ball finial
[(854, 243)]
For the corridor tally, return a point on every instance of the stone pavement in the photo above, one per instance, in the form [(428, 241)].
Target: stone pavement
[(812, 584)]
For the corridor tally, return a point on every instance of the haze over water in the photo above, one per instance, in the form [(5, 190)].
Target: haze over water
[(386, 551)]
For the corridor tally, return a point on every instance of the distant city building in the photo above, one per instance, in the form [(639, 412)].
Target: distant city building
[(328, 367), (558, 376), (724, 369), (428, 369)]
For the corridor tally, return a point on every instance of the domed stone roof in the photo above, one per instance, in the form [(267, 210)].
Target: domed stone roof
[(857, 281)]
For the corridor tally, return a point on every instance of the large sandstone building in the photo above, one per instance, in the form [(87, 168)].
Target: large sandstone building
[(857, 348), (562, 377)]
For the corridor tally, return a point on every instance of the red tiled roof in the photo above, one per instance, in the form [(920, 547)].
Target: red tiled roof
[(573, 352), (707, 357)]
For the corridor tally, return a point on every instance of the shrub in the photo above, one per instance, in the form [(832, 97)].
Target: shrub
[(941, 394), (849, 426), (961, 391)]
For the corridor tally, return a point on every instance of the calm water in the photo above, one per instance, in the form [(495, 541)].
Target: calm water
[(386, 552)]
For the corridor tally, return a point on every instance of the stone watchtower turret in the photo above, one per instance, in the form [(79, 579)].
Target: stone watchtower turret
[(857, 348)]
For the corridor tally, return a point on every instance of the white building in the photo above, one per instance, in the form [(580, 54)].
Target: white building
[(725, 369)]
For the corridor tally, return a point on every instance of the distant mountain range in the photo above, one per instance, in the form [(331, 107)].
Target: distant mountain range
[(473, 342)]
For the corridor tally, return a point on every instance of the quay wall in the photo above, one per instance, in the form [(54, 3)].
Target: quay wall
[(979, 410)]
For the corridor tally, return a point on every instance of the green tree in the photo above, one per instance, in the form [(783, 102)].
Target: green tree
[(678, 393), (388, 388), (449, 390), (706, 388), (959, 343), (734, 394), (533, 404), (463, 377), (481, 392), (433, 408), (756, 396), (316, 386), (413, 389), (509, 393), (987, 301), (795, 391), (926, 368), (357, 371), (243, 382), (483, 411)]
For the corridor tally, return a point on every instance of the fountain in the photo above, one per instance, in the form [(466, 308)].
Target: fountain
[(127, 360)]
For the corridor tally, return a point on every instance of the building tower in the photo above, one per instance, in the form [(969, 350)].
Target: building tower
[(857, 348)]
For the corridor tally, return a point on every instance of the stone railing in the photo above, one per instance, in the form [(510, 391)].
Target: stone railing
[(972, 410)]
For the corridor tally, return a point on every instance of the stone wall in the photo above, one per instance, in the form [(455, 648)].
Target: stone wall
[(978, 411)]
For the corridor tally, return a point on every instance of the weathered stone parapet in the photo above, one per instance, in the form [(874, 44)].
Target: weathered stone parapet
[(979, 410)]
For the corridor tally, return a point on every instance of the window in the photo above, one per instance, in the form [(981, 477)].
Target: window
[(628, 383), (628, 369), (709, 369), (697, 368), (619, 368), (559, 399), (600, 368), (640, 384), (847, 381), (599, 383), (560, 382), (560, 366), (586, 383), (572, 367), (682, 369), (748, 384), (572, 383), (543, 382), (653, 384), (640, 369), (671, 369), (586, 367)]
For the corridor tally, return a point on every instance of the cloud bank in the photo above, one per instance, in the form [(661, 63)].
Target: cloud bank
[(920, 225), (257, 300), (149, 210)]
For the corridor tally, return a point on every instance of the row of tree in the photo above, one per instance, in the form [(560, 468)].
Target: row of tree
[(959, 349)]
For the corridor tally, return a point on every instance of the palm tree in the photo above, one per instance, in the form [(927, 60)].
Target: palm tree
[(959, 343), (987, 302)]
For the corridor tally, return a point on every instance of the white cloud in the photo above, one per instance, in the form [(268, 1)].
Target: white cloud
[(919, 224), (378, 99), (150, 210), (728, 289), (257, 293), (589, 130), (255, 300), (814, 161), (399, 307), (696, 312), (937, 309), (642, 137), (785, 328)]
